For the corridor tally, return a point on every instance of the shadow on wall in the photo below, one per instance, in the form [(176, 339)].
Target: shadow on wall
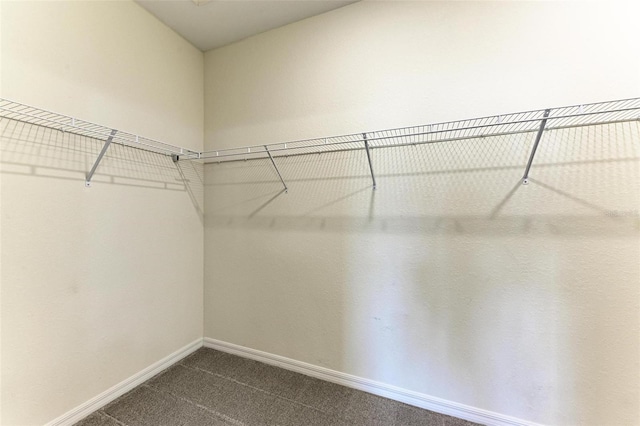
[(37, 151), (452, 278), (461, 187)]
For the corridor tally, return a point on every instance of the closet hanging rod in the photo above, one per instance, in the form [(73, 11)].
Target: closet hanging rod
[(600, 113), (394, 145), (36, 116), (495, 125)]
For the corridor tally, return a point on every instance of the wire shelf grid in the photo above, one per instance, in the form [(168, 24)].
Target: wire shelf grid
[(36, 116), (496, 125)]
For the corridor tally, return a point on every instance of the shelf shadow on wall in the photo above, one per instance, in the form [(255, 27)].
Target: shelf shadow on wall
[(461, 187), (192, 174), (452, 275), (32, 150)]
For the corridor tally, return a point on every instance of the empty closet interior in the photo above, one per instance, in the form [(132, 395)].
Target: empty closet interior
[(432, 202)]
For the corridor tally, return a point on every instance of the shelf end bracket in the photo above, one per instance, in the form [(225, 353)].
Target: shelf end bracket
[(87, 182), (286, 190), (543, 123), (366, 147)]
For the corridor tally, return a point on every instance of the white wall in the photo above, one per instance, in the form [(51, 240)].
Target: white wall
[(97, 283), (451, 279), (377, 65)]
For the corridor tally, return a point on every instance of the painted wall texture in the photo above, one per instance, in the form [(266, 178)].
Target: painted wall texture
[(451, 279), (97, 283)]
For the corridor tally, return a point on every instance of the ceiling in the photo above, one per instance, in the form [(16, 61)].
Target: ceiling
[(208, 24)]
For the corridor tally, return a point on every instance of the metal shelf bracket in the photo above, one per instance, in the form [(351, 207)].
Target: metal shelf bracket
[(543, 123), (87, 182), (286, 190), (534, 122), (366, 147)]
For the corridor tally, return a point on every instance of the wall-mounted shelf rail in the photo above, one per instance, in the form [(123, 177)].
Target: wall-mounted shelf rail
[(537, 121), (36, 116)]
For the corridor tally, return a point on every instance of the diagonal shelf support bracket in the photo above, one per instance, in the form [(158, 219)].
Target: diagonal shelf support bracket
[(87, 182), (286, 190), (525, 177), (366, 147)]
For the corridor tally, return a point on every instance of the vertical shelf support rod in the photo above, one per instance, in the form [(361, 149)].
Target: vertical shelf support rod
[(525, 177), (102, 152), (366, 147), (286, 190)]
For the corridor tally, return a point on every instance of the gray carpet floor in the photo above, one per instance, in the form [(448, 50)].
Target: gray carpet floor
[(212, 388)]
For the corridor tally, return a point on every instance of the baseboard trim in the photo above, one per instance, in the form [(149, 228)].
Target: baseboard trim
[(417, 399), (123, 387)]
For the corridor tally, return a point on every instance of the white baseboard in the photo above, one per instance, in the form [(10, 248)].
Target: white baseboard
[(123, 387), (428, 402)]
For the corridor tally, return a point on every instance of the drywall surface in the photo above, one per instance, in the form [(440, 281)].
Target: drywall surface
[(451, 279), (97, 283)]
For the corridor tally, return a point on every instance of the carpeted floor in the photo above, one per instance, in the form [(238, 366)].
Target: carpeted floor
[(214, 388)]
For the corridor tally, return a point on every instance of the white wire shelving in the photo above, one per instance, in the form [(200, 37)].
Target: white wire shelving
[(64, 123), (536, 121)]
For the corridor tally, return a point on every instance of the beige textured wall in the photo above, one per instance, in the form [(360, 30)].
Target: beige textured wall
[(97, 283), (451, 279)]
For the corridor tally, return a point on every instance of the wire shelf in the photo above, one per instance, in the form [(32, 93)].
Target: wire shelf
[(36, 116), (497, 125)]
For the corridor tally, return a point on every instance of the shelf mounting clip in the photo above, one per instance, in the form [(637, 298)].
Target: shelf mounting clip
[(286, 190), (87, 182), (366, 147), (543, 123)]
